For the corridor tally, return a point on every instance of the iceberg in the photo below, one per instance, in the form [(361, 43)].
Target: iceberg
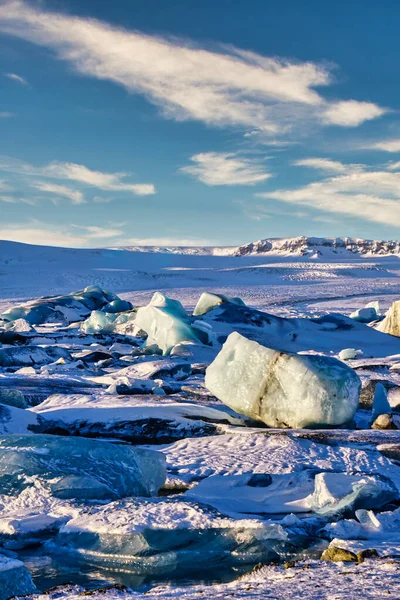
[(15, 579), (98, 322), (208, 301), (166, 323), (117, 306), (78, 468), (12, 398), (280, 389), (367, 314)]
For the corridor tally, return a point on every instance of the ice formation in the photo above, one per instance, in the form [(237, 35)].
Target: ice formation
[(78, 468), (283, 390), (208, 301), (15, 579), (380, 405), (165, 322), (391, 323)]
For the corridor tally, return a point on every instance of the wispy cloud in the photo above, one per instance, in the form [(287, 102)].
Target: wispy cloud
[(45, 234), (75, 196), (214, 168), (167, 242), (17, 78), (77, 173), (392, 145), (6, 115), (323, 164), (367, 194), (226, 87)]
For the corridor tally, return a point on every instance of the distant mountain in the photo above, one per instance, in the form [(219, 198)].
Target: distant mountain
[(313, 247)]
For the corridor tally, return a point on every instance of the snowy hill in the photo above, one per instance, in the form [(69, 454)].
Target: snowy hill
[(313, 247)]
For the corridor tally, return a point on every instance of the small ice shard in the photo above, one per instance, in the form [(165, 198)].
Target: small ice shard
[(283, 390), (78, 467), (15, 579), (338, 493), (365, 315), (208, 301), (166, 323), (12, 398), (391, 323), (380, 404), (349, 354)]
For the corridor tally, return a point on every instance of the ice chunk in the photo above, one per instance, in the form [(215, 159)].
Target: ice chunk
[(391, 323), (208, 301), (117, 306), (19, 325), (12, 398), (283, 390), (380, 405), (349, 354), (98, 322), (15, 579), (167, 536), (337, 493), (165, 322), (38, 355), (78, 468), (365, 315)]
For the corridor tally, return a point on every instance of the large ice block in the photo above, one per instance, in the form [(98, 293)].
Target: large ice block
[(78, 468), (280, 389)]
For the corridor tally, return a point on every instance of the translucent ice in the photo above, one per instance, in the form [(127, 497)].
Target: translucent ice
[(170, 536), (380, 405), (98, 322), (166, 323), (365, 315), (283, 390), (208, 301), (78, 467), (14, 579)]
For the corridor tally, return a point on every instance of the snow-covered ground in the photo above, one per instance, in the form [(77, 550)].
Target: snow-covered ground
[(233, 492)]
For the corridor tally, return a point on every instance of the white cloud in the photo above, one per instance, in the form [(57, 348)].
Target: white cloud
[(7, 199), (78, 173), (351, 113), (17, 78), (394, 166), (226, 87), (6, 115), (214, 168), (44, 234), (324, 164), (369, 195), (60, 190), (387, 145)]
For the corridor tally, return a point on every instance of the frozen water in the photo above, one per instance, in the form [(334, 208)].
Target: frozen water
[(171, 536), (365, 315), (14, 579), (380, 405), (391, 323), (349, 354), (283, 390), (99, 322), (78, 468), (12, 398), (208, 301), (338, 493), (165, 322)]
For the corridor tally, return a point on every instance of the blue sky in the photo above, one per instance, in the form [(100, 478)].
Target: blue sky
[(186, 122)]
